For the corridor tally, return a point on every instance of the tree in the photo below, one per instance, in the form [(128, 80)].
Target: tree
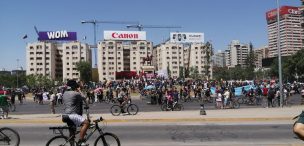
[(85, 71), (209, 53), (181, 72), (250, 63), (194, 72), (168, 70)]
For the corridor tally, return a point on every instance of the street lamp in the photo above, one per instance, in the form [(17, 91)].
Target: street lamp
[(279, 54), (17, 73)]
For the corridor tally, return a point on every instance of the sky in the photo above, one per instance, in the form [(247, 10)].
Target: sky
[(221, 21)]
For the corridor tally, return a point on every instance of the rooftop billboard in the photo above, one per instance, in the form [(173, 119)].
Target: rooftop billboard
[(124, 35), (62, 35), (186, 37), (272, 14)]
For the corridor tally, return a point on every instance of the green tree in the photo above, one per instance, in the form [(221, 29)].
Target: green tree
[(209, 53), (181, 72), (194, 72), (85, 70), (168, 70), (250, 63)]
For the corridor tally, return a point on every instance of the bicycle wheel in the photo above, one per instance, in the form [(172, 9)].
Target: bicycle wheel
[(60, 141), (235, 104), (115, 110), (164, 107), (240, 100), (178, 107), (107, 139), (9, 137), (132, 109)]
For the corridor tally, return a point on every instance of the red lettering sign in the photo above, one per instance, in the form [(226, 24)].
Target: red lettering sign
[(283, 10), (125, 35)]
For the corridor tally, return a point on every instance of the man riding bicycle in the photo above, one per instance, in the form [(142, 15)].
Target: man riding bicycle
[(73, 102), (123, 98)]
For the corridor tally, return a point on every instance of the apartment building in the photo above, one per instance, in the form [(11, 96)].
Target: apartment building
[(219, 60), (72, 53), (41, 59), (236, 54), (56, 59), (177, 55), (259, 55), (291, 32), (117, 56)]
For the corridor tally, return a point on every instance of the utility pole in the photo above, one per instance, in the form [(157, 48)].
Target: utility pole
[(279, 53), (17, 73)]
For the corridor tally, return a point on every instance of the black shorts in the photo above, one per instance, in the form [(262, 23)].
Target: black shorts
[(301, 118)]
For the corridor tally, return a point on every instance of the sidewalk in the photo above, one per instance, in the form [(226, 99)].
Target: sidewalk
[(226, 115)]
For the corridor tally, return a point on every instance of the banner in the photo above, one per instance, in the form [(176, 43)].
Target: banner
[(57, 35), (124, 35), (185, 37)]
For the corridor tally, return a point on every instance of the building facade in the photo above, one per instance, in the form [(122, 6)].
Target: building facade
[(236, 54), (259, 55), (219, 59), (291, 32), (119, 55), (72, 53), (56, 60), (177, 57)]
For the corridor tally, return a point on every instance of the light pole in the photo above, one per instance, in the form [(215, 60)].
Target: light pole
[(279, 54), (17, 73)]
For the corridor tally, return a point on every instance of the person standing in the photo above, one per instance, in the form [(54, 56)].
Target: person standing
[(4, 105), (52, 102)]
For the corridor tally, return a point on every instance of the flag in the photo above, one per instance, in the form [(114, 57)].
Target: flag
[(24, 37), (85, 37)]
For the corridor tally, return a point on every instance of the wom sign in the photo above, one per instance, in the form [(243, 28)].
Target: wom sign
[(57, 35)]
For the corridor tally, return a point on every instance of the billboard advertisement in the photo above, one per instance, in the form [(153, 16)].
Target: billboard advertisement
[(272, 14), (62, 35), (124, 35), (186, 37)]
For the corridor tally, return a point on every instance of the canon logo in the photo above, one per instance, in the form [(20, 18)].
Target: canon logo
[(125, 35)]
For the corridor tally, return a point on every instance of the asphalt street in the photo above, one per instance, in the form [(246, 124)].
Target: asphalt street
[(179, 134), (30, 107)]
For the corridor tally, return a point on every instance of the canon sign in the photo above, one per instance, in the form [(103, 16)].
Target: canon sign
[(124, 35)]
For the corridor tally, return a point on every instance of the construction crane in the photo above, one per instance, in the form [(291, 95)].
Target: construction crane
[(94, 22), (140, 26)]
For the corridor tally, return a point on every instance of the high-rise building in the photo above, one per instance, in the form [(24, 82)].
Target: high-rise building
[(41, 59), (55, 59), (236, 54), (259, 55), (291, 33), (218, 59), (177, 55), (72, 53)]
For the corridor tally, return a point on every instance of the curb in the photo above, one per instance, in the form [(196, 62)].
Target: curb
[(160, 120)]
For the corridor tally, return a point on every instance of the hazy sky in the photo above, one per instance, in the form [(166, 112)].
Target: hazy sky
[(220, 20)]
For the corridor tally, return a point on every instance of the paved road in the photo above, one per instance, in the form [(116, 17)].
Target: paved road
[(30, 107), (182, 134)]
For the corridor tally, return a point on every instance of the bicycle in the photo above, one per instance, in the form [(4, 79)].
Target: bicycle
[(175, 106), (132, 109), (104, 138), (233, 103), (9, 137), (11, 106)]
